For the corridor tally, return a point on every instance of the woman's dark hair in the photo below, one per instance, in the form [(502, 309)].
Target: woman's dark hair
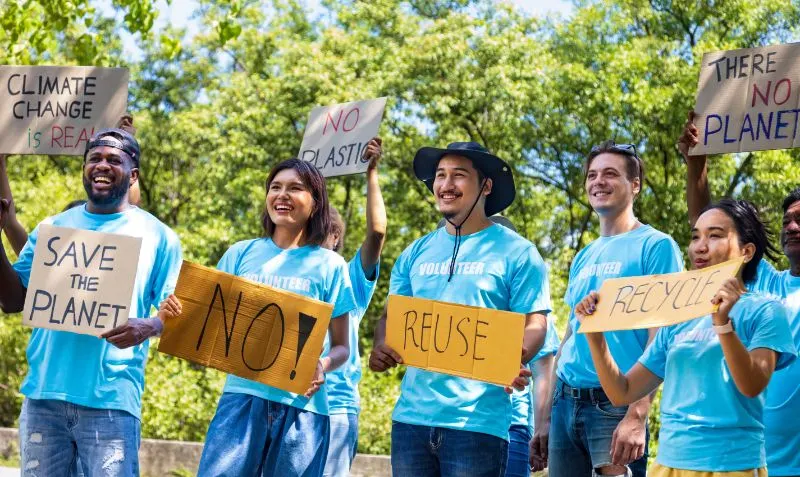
[(337, 227), (319, 224), (751, 229)]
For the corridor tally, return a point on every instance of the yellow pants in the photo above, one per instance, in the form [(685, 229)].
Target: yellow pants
[(658, 470)]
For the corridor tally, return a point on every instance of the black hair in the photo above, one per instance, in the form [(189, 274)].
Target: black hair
[(337, 227), (790, 199), (751, 229), (319, 224)]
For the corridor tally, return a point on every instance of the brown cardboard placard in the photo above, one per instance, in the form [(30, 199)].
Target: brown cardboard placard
[(651, 301), (748, 99), (336, 136), (460, 340), (56, 109), (81, 281), (246, 328)]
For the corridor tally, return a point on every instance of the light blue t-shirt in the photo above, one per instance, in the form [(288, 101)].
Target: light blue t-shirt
[(706, 423), (782, 409), (311, 271), (495, 268), (522, 401), (86, 370), (642, 251), (342, 383)]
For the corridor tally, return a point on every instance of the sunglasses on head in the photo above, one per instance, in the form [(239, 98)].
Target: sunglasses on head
[(628, 149)]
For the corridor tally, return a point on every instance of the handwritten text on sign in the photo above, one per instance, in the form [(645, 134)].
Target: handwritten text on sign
[(81, 281), (657, 300), (246, 328), (336, 136), (461, 340), (749, 100), (55, 109)]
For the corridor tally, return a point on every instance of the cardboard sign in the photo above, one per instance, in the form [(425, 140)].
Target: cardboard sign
[(245, 328), (56, 109), (81, 281), (465, 341), (337, 135), (747, 100), (650, 301)]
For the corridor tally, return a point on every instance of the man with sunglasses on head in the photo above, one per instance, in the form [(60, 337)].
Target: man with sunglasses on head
[(588, 435), (83, 394)]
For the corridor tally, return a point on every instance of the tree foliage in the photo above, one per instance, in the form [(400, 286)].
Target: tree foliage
[(215, 111)]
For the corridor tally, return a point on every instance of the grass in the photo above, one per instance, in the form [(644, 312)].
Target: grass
[(10, 461)]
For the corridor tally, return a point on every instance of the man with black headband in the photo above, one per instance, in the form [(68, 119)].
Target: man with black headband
[(83, 394), (588, 435), (446, 425)]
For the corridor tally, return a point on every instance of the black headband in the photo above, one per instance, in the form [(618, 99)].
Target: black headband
[(112, 141)]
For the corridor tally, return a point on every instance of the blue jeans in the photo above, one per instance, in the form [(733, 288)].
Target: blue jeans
[(582, 424), (422, 451), (54, 434), (518, 452), (343, 444), (250, 436)]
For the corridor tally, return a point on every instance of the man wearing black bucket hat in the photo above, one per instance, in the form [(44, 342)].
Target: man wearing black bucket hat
[(446, 425), (83, 394)]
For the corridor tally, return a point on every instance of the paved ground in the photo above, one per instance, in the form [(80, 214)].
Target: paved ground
[(9, 472)]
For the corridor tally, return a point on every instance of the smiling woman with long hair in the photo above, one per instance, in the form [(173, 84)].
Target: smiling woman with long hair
[(714, 368), (258, 429)]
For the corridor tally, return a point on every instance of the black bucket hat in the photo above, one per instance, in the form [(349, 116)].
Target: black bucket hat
[(116, 138), (503, 191)]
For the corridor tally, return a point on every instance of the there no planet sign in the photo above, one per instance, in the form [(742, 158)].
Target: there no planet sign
[(336, 136)]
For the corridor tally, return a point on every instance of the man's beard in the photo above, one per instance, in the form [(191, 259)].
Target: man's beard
[(114, 196)]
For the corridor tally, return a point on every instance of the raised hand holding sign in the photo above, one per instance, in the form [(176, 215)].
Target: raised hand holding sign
[(336, 137), (747, 100)]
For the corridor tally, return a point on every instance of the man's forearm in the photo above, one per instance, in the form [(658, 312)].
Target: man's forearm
[(380, 331), (698, 195), (335, 358), (535, 331), (12, 293), (16, 234), (542, 390)]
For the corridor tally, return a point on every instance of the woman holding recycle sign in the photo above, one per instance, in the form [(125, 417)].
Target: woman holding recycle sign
[(714, 367)]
